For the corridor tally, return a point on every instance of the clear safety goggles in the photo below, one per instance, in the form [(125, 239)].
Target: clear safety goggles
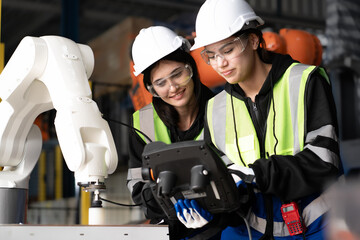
[(178, 78), (227, 52)]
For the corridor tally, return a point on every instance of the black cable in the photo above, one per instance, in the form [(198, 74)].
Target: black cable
[(120, 204), (127, 125), (234, 120), (303, 235), (272, 98), (303, 226)]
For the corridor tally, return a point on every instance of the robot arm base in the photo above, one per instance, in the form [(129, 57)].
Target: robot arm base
[(92, 186)]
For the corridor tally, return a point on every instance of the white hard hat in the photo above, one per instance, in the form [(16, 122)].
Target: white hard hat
[(154, 43), (219, 19)]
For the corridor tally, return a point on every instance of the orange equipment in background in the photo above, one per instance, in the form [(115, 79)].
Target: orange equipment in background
[(300, 45), (140, 97), (42, 123)]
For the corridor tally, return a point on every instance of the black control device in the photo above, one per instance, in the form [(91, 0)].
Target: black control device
[(189, 170)]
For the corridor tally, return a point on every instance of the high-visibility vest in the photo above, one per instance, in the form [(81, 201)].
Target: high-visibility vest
[(147, 121), (288, 101)]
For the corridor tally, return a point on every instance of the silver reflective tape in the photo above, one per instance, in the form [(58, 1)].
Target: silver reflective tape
[(324, 131), (280, 229), (226, 160), (131, 184), (134, 173), (146, 116), (316, 209), (325, 154), (219, 120), (294, 88), (134, 176)]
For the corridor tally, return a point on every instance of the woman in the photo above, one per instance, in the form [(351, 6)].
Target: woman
[(175, 114), (275, 121)]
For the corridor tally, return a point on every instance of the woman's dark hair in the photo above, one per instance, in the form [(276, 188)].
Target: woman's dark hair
[(167, 112), (264, 55)]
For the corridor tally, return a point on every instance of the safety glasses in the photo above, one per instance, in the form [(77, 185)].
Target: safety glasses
[(227, 52), (179, 77)]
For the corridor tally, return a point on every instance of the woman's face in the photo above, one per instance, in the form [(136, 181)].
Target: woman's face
[(173, 83), (232, 58)]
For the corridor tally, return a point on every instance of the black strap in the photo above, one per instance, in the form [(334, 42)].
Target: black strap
[(246, 178), (269, 229)]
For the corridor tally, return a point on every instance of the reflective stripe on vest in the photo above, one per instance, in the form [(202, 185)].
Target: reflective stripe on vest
[(288, 97), (147, 121), (289, 103), (310, 213), (224, 138), (134, 176)]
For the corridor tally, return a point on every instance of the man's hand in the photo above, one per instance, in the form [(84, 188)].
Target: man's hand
[(191, 214)]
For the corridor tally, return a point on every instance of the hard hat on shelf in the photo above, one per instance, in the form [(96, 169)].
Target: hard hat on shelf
[(302, 46), (299, 44), (154, 43), (274, 42), (139, 95), (318, 50), (219, 19)]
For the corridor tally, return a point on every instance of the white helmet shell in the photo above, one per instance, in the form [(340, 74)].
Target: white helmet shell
[(219, 19), (154, 43)]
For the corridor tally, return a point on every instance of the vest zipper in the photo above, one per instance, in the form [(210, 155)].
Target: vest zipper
[(259, 130)]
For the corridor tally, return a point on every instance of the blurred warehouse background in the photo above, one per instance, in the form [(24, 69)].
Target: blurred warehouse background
[(110, 26)]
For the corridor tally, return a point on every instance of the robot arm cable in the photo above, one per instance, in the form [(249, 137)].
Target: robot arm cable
[(129, 126)]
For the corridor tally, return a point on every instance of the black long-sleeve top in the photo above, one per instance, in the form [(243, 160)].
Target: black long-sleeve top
[(305, 173), (141, 193)]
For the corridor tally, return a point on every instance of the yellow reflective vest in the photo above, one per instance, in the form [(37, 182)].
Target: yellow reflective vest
[(148, 121), (289, 126)]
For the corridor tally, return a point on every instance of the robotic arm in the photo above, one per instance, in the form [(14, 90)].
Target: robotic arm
[(42, 74)]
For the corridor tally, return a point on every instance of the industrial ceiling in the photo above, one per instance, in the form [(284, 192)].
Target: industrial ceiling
[(22, 18)]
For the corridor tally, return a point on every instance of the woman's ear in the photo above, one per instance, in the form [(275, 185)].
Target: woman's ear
[(254, 41)]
